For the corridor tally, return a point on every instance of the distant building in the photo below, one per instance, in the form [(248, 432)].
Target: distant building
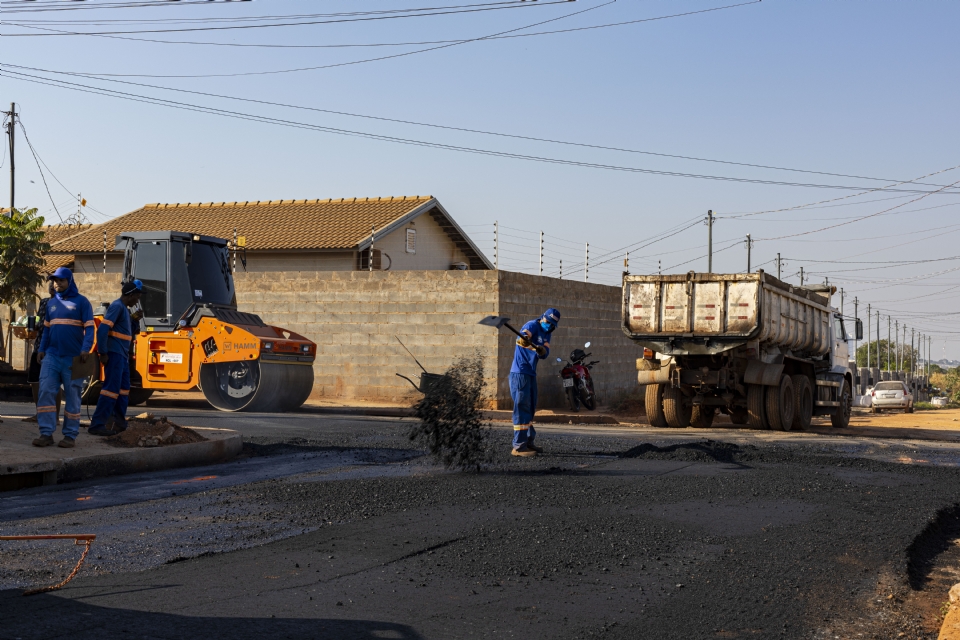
[(405, 233)]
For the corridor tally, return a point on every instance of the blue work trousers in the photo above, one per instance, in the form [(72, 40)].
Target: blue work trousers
[(523, 390), (114, 395), (55, 372)]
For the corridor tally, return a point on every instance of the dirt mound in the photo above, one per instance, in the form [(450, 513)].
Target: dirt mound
[(154, 433)]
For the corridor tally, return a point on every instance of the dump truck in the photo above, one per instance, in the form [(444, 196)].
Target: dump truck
[(748, 345), (192, 334)]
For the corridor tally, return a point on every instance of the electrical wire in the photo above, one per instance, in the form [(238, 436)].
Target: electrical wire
[(42, 177), (408, 141), (56, 32)]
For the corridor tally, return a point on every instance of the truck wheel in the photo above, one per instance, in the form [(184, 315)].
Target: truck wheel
[(675, 411), (702, 416), (780, 405), (738, 415), (756, 412), (653, 402), (841, 417), (803, 402)]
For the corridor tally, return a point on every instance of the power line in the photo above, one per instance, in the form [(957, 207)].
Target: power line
[(414, 142), (42, 177), (56, 32)]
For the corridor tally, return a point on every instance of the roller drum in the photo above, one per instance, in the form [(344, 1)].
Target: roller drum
[(255, 385)]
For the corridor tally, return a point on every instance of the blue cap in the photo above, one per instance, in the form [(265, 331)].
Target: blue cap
[(62, 273), (130, 287), (552, 316)]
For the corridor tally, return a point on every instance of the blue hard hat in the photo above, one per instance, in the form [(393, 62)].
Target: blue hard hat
[(62, 272), (552, 316)]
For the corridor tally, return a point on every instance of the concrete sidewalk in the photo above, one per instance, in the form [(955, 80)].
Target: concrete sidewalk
[(22, 465)]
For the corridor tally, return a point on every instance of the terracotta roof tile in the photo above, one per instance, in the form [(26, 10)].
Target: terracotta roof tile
[(277, 224), (58, 232), (52, 261)]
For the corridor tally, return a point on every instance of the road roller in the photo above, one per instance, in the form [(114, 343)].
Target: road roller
[(193, 336)]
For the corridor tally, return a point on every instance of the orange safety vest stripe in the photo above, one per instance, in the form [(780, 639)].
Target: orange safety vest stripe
[(119, 336), (109, 394), (72, 323), (124, 392), (106, 322)]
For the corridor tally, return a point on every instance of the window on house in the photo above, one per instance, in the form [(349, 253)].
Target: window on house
[(411, 240)]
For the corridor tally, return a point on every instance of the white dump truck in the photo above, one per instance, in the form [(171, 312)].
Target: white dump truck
[(764, 352)]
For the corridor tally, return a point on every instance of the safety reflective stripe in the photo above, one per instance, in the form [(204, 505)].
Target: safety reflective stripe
[(106, 322), (72, 416), (89, 323), (109, 394), (46, 323), (521, 427), (124, 392), (46, 409), (119, 336), (72, 323)]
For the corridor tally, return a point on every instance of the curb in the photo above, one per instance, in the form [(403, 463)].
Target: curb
[(152, 458), (222, 445)]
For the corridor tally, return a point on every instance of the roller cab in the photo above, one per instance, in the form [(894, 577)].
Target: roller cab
[(193, 335)]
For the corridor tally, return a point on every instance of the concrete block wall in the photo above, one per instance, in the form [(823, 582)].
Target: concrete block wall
[(354, 316), (589, 312)]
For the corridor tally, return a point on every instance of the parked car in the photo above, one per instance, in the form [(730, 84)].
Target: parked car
[(892, 394)]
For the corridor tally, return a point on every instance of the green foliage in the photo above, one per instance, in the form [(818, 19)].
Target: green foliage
[(887, 351), (935, 368), (21, 256), (948, 383)]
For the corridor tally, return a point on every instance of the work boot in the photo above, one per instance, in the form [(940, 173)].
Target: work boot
[(534, 448), (101, 430), (523, 452), (43, 441), (67, 442)]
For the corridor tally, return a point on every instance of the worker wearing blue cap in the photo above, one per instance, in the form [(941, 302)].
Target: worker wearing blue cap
[(67, 334), (114, 337), (533, 347)]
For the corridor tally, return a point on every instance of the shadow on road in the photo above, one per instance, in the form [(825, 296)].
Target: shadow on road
[(49, 615)]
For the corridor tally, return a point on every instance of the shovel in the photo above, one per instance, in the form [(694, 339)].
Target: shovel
[(500, 321)]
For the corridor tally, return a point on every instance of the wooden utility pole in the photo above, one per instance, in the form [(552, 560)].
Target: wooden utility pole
[(11, 123), (710, 241)]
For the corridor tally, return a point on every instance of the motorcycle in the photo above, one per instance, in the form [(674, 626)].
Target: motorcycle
[(577, 383)]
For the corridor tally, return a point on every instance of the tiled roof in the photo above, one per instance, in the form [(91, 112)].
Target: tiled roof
[(58, 232), (277, 224), (53, 261)]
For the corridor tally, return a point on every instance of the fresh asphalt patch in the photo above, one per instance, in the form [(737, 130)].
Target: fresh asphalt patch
[(343, 529)]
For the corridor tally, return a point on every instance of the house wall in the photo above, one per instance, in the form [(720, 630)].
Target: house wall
[(273, 261), (93, 263), (354, 317), (434, 250)]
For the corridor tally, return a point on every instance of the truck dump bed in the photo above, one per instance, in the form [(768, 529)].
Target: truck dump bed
[(708, 313)]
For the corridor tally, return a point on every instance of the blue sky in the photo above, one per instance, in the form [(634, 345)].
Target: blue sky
[(853, 87)]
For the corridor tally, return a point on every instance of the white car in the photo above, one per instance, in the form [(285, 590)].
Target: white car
[(892, 394)]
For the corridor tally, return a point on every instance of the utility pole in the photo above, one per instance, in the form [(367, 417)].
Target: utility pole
[(913, 359), (869, 335), (896, 350), (878, 343), (586, 262), (841, 299), (541, 253), (778, 265), (626, 263), (889, 343), (749, 246), (373, 238), (856, 317), (561, 269), (903, 350), (710, 241), (496, 245), (12, 115), (659, 272), (801, 276)]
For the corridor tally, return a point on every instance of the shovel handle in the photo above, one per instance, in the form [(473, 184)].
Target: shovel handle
[(507, 325)]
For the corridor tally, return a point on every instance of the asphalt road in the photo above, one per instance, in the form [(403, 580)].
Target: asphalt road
[(338, 527)]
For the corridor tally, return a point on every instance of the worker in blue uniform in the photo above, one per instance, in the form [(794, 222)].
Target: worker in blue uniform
[(114, 337), (531, 348), (67, 334)]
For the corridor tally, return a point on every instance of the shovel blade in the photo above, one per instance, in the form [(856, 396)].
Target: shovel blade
[(494, 321)]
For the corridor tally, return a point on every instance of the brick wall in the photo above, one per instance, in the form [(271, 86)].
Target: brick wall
[(354, 316)]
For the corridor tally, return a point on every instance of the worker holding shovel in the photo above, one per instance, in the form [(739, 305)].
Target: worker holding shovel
[(114, 337), (533, 345)]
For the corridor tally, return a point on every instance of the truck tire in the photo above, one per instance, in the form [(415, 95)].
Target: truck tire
[(653, 402), (675, 411), (701, 417), (803, 403), (780, 402), (756, 412), (738, 415), (841, 417)]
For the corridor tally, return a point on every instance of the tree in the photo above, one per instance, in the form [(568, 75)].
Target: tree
[(887, 351), (948, 382), (21, 261)]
